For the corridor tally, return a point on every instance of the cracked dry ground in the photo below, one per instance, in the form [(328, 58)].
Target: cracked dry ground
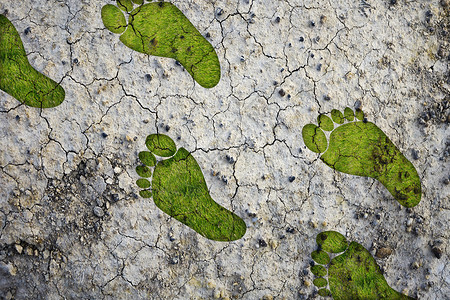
[(73, 226)]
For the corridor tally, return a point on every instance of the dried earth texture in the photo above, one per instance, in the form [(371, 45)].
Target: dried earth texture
[(72, 223)]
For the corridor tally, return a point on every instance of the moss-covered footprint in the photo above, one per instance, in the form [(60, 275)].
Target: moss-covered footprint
[(179, 189), (361, 148), (18, 78), (161, 29), (353, 274)]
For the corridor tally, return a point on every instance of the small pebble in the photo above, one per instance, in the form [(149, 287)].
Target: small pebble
[(415, 265), (277, 20), (409, 222), (437, 252), (383, 252), (230, 159), (290, 230), (19, 248), (225, 180), (281, 92), (415, 154), (301, 39), (357, 104), (117, 170), (428, 15), (98, 211), (291, 178), (27, 30), (104, 135), (114, 198), (148, 77), (262, 243)]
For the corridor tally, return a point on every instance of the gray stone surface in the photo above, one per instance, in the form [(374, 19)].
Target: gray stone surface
[(60, 167)]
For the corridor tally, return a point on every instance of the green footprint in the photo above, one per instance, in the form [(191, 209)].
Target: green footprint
[(361, 148), (179, 189), (353, 274), (18, 78), (161, 29)]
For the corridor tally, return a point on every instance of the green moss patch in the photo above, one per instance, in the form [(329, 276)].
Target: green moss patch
[(113, 19), (314, 138), (353, 274), (361, 148), (319, 270), (143, 183), (331, 241), (161, 29), (147, 158), (161, 145), (18, 78), (320, 282), (337, 116), (143, 171), (321, 257), (325, 122), (179, 189)]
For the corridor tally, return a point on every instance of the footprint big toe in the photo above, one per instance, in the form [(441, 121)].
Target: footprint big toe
[(361, 148), (161, 29), (179, 189)]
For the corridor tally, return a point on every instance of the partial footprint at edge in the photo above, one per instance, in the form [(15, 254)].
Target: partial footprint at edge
[(361, 148), (161, 29), (18, 78), (179, 189), (353, 274)]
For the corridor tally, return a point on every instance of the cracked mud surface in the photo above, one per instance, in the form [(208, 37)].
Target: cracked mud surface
[(73, 225)]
